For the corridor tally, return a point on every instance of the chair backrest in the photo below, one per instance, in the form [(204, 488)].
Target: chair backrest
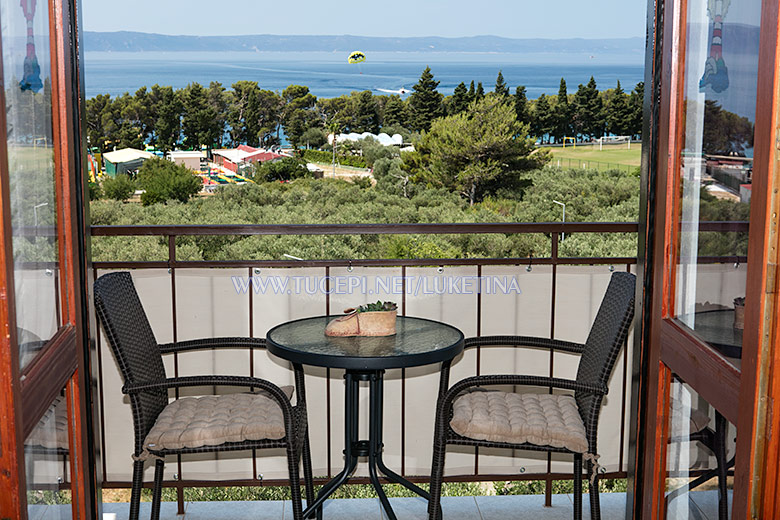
[(606, 338), (134, 346)]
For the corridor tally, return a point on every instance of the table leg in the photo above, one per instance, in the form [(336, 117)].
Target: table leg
[(377, 411), (350, 441), (354, 447)]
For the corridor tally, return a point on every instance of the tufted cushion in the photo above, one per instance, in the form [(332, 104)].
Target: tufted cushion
[(516, 418), (51, 432), (193, 422)]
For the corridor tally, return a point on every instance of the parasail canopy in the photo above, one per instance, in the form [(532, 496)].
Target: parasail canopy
[(356, 57)]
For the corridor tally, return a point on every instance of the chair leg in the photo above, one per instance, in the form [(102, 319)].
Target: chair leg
[(577, 486), (437, 474), (159, 465), (595, 508), (135, 494), (295, 480), (721, 427)]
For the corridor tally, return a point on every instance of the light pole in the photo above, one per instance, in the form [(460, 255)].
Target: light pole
[(564, 216), (35, 211)]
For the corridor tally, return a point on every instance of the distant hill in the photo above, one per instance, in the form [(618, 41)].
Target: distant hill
[(125, 41)]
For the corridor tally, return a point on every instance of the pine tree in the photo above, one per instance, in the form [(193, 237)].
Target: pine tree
[(618, 113), (480, 92), (472, 92), (501, 88), (521, 105), (460, 99), (562, 113), (426, 102)]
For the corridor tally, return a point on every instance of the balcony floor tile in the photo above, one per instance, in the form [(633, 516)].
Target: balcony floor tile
[(524, 507)]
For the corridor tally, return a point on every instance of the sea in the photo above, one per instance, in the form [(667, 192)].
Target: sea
[(327, 74)]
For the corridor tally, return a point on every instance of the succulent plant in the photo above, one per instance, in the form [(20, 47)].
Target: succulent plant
[(378, 306)]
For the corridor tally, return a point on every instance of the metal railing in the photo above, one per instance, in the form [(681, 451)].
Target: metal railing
[(325, 267)]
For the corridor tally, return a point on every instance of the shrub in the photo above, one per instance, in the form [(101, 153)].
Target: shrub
[(163, 181), (118, 188), (327, 158), (285, 169)]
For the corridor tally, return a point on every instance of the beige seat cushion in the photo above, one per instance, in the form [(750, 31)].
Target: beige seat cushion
[(194, 422), (698, 420), (516, 418)]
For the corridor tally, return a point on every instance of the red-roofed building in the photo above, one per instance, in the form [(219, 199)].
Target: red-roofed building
[(235, 158)]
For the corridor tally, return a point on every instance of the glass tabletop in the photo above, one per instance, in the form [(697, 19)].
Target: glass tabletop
[(417, 341), (716, 327)]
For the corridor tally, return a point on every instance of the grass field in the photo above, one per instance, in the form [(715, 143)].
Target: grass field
[(590, 157)]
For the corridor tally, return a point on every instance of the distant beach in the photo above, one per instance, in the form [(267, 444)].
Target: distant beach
[(327, 74)]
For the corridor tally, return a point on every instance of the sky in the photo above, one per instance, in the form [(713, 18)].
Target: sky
[(448, 18)]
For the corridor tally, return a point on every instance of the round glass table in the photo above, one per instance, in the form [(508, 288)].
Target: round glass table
[(716, 327), (417, 342)]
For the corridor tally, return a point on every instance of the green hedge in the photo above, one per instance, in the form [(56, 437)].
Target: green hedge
[(327, 157)]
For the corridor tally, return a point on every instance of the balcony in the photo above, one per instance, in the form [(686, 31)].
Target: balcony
[(554, 296)]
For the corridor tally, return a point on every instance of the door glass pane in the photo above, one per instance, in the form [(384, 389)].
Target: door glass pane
[(27, 75), (47, 465), (721, 70), (699, 458)]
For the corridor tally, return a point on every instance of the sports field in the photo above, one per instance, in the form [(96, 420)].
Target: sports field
[(590, 157)]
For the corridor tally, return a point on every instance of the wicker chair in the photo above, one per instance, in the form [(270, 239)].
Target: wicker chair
[(559, 423), (262, 418)]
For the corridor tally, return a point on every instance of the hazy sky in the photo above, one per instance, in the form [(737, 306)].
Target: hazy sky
[(509, 18)]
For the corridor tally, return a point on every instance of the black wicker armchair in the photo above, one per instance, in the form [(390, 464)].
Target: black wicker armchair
[(551, 422), (261, 418)]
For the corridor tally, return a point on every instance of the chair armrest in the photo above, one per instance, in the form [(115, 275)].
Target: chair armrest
[(445, 400), (525, 341), (179, 382), (198, 344)]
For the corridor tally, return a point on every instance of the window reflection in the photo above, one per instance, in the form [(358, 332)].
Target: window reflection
[(717, 164), (700, 456), (47, 465), (27, 79)]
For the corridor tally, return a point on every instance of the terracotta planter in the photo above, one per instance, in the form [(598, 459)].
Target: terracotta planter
[(739, 317), (375, 323)]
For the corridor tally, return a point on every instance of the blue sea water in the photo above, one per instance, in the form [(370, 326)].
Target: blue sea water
[(329, 75)]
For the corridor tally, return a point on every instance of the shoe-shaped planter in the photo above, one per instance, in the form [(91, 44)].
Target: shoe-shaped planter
[(359, 322)]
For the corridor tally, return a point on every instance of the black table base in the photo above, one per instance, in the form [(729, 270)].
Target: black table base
[(371, 448)]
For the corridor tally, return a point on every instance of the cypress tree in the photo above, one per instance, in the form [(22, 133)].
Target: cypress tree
[(521, 105), (480, 92), (395, 112), (501, 88), (562, 113), (618, 113), (460, 99), (635, 101), (544, 118), (588, 110), (426, 102)]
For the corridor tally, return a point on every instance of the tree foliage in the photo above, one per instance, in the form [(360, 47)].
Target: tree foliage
[(476, 150)]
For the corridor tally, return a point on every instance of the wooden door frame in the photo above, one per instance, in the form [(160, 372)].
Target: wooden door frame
[(747, 397), (64, 363)]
